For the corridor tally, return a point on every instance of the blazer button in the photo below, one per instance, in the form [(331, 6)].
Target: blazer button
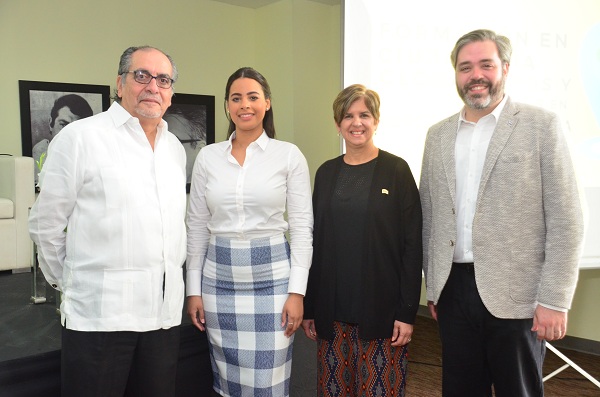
[(451, 243)]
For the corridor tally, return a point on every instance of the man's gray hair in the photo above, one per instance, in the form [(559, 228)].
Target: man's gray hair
[(502, 43), (125, 65)]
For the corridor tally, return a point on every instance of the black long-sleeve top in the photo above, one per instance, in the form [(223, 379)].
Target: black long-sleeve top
[(392, 251)]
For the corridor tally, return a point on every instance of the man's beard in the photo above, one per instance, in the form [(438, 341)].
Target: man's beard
[(482, 101), (150, 113)]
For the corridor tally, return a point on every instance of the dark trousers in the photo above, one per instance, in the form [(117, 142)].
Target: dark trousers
[(117, 364), (480, 350)]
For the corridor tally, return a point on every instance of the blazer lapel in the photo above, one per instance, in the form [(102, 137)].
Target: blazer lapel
[(447, 142), (504, 128)]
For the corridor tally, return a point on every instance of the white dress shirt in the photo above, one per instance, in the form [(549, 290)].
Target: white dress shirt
[(122, 206), (249, 201), (472, 141)]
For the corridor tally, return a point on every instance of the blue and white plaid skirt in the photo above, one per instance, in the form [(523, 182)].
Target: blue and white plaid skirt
[(244, 288)]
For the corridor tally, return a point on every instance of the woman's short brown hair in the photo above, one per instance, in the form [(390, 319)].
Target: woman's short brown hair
[(351, 94)]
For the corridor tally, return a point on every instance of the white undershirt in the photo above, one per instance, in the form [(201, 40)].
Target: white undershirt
[(472, 141)]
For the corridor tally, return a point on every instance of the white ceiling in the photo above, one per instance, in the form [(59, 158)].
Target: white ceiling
[(261, 3)]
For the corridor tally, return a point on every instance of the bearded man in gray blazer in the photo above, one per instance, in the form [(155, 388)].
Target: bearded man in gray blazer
[(502, 229)]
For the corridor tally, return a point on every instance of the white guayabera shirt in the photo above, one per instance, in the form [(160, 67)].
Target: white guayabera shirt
[(109, 224)]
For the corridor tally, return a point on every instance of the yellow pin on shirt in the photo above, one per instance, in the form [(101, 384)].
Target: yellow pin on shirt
[(384, 191)]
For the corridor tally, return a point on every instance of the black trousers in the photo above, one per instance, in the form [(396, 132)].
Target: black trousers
[(480, 350), (118, 364)]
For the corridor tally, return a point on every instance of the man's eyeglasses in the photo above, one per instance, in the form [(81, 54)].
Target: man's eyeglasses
[(144, 77)]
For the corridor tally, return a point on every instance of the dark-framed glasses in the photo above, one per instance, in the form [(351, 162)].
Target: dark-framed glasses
[(144, 77)]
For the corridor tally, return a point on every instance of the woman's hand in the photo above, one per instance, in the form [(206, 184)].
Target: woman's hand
[(291, 315), (402, 333), (195, 309), (309, 329)]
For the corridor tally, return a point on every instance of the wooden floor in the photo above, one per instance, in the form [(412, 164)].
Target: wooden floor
[(425, 367)]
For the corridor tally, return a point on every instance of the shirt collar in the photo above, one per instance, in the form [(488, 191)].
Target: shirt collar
[(121, 117), (495, 113), (261, 141)]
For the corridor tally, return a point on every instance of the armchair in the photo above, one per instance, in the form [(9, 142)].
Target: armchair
[(17, 194)]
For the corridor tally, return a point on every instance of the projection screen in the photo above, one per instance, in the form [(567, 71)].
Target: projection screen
[(403, 52)]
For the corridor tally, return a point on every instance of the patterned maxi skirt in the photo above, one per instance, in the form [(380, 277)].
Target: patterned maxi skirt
[(351, 367), (244, 288)]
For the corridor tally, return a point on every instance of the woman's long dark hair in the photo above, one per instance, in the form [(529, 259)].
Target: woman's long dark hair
[(247, 72)]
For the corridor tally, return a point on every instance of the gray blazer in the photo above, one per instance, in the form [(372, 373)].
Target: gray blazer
[(528, 224)]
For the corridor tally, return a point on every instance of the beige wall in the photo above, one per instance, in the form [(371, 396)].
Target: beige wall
[(294, 43), (298, 45), (584, 321)]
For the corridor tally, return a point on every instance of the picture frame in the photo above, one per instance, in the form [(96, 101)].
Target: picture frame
[(46, 107), (191, 118)]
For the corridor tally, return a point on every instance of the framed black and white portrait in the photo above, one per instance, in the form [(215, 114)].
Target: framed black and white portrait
[(47, 107), (191, 118)]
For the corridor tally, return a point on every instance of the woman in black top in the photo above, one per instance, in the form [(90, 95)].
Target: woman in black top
[(365, 281)]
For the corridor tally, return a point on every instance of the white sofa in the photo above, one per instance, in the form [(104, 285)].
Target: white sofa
[(17, 194)]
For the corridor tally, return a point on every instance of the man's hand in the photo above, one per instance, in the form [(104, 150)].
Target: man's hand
[(549, 324), (195, 309), (432, 309)]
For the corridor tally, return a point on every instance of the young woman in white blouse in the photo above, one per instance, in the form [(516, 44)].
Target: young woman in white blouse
[(245, 281)]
